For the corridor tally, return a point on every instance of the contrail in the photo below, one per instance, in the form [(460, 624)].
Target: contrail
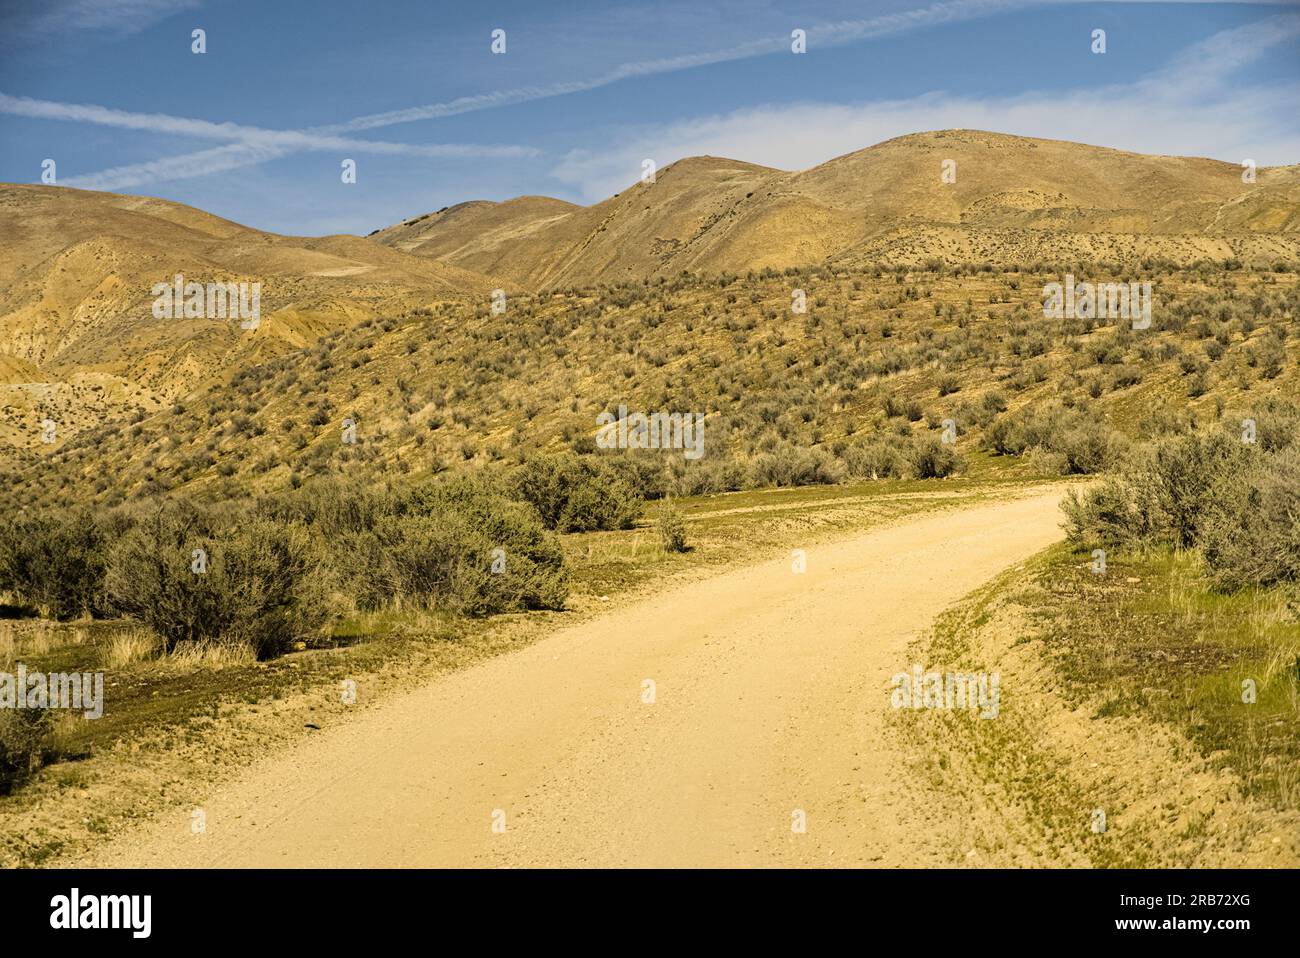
[(253, 144), (253, 135)]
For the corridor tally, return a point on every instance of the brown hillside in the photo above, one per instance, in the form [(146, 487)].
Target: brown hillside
[(1026, 197), (77, 272)]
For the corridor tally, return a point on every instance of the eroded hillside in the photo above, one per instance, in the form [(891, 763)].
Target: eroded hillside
[(77, 271)]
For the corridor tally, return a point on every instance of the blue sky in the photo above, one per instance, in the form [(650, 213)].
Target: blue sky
[(255, 129)]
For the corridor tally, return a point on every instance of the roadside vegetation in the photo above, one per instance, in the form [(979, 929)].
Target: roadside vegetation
[(1173, 611), (1208, 527)]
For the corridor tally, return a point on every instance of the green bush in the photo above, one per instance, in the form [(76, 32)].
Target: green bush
[(1162, 495), (883, 458), (1111, 514), (933, 459), (1087, 447), (1250, 532), (706, 476), (644, 475), (672, 530), (264, 584), (1237, 502), (1179, 479), (459, 545), (332, 507), (55, 563), (1083, 443), (576, 493), (793, 466), (23, 734)]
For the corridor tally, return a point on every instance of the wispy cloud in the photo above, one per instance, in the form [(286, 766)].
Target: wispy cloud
[(1190, 107), (830, 34), (203, 163), (251, 144), (313, 139), (34, 20), (835, 34)]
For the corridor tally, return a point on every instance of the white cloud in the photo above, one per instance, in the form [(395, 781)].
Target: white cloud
[(252, 144), (287, 140), (32, 20), (1190, 108), (217, 160)]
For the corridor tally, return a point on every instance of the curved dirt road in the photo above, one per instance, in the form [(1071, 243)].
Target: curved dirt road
[(771, 691)]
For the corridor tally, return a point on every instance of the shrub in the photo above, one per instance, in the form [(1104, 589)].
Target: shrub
[(1250, 532), (23, 734), (705, 477), (1236, 502), (263, 586), (1084, 444), (884, 458), (1277, 423), (461, 545), (932, 459), (1110, 515), (55, 563), (672, 530), (1086, 448), (332, 507), (791, 466), (576, 493), (644, 475), (1180, 477)]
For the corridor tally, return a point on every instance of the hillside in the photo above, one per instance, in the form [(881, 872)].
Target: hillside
[(1013, 198), (863, 234), (859, 385), (77, 272)]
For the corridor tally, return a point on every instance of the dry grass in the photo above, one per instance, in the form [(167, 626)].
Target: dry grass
[(211, 655), (130, 646)]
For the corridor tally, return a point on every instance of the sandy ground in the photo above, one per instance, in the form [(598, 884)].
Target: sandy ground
[(770, 696)]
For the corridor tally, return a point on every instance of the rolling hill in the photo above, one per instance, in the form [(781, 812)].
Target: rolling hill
[(79, 344), (1013, 199), (77, 272)]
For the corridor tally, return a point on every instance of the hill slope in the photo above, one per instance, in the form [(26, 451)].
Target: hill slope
[(77, 272), (862, 383), (1012, 198)]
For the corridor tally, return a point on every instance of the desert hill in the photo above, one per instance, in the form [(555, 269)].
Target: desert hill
[(79, 343), (77, 271), (862, 381), (1027, 198)]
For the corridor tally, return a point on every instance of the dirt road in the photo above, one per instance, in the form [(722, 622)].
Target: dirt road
[(770, 696)]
